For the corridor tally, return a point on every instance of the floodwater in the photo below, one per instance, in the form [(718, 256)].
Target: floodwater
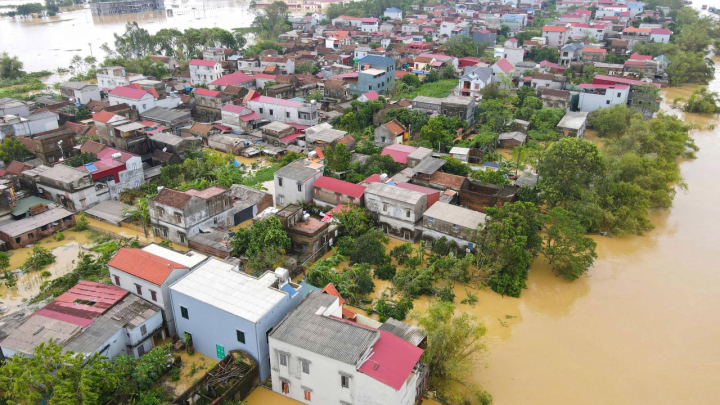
[(642, 326), (51, 42), (65, 251)]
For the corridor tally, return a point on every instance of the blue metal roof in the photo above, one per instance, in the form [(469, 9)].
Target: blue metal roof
[(288, 289), (377, 60), (90, 167), (392, 10)]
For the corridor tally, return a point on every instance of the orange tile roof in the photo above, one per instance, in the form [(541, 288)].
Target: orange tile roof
[(330, 290), (553, 28), (594, 50), (395, 127), (103, 116), (633, 29), (144, 265)]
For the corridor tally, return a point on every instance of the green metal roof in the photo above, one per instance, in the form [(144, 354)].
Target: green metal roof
[(23, 205)]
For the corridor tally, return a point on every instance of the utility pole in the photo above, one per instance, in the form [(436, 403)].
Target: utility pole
[(90, 45)]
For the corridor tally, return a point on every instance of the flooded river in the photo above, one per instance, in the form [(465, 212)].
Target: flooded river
[(49, 43)]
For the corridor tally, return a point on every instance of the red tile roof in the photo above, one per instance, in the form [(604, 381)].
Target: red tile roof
[(594, 50), (399, 153), (103, 116), (200, 62), (553, 28), (395, 127), (339, 186), (16, 167), (129, 92), (232, 79), (660, 31), (371, 95), (330, 290), (392, 360), (504, 65), (74, 305), (206, 92), (144, 265), (91, 147), (637, 56)]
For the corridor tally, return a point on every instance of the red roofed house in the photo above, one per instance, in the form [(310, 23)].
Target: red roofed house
[(503, 66), (238, 117), (143, 100), (635, 35), (344, 357), (237, 79), (399, 153), (369, 96), (149, 272), (593, 54), (329, 192), (208, 104), (89, 318), (555, 35), (204, 71), (660, 35)]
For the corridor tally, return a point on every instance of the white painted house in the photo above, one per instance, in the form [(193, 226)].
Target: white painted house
[(277, 109), (149, 272), (555, 35), (294, 183), (204, 71), (393, 13), (317, 357), (79, 92), (224, 309)]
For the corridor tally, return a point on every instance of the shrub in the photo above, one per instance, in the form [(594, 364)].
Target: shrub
[(81, 222), (386, 271), (39, 259)]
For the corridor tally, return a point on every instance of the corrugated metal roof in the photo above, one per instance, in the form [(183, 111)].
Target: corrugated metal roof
[(18, 227), (404, 331), (394, 193), (329, 337), (429, 166), (456, 215)]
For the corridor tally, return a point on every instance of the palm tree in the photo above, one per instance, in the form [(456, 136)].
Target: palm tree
[(141, 212)]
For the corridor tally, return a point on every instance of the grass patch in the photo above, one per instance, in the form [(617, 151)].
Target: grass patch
[(439, 89)]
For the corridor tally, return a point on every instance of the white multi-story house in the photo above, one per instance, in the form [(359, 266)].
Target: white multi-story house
[(397, 210), (555, 35), (116, 170), (337, 39), (344, 362), (276, 109), (369, 25), (474, 80), (393, 13), (595, 96), (204, 71), (112, 76), (71, 187), (79, 92), (178, 215), (294, 183), (141, 99), (661, 35), (149, 272), (222, 308)]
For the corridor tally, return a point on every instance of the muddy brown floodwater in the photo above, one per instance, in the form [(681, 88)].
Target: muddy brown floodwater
[(642, 327)]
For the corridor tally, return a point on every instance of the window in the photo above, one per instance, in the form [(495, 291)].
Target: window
[(141, 350), (305, 365), (160, 212), (184, 312), (240, 336), (287, 115), (618, 95), (455, 228), (143, 330), (285, 387), (117, 280), (431, 220), (281, 200), (271, 112), (17, 240), (385, 207), (370, 87), (153, 295), (215, 220), (165, 232), (407, 213), (344, 381), (280, 181), (178, 217), (138, 288), (307, 394), (299, 186), (607, 102), (283, 359), (182, 237), (261, 111)]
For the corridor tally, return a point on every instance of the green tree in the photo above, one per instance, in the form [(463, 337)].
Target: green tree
[(568, 250), (432, 77), (10, 67), (29, 8), (4, 262), (134, 43), (507, 245), (612, 121), (12, 149), (567, 168), (550, 54), (337, 159), (448, 72), (454, 344), (81, 159), (689, 67), (369, 247), (491, 176), (435, 135), (455, 166), (306, 68), (703, 101), (81, 222), (413, 120), (461, 46), (272, 21), (411, 80), (352, 222), (264, 243)]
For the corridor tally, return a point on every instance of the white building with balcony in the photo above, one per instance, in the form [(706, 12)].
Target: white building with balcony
[(204, 71)]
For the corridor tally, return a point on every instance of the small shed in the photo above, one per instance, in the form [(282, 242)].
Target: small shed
[(509, 140), (573, 124)]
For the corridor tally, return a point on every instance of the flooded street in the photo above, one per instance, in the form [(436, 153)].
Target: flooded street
[(49, 43)]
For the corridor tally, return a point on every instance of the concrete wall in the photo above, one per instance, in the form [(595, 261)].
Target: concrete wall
[(76, 201), (331, 198)]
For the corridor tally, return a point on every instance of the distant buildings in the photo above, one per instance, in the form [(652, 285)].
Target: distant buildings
[(125, 7)]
